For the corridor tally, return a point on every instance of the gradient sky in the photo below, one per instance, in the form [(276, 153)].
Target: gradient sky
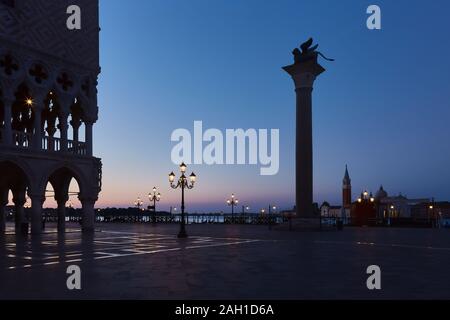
[(383, 107)]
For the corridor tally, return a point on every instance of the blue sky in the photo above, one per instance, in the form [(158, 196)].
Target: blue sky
[(382, 107)]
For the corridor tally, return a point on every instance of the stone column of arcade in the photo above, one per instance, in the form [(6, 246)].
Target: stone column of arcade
[(63, 127), (3, 204), (88, 204), (38, 127), (51, 130), (37, 202), (66, 102), (304, 72), (62, 213), (7, 106), (76, 124), (19, 200), (89, 137)]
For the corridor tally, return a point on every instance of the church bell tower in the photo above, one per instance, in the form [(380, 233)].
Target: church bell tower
[(346, 190)]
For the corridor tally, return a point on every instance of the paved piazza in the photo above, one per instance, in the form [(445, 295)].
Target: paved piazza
[(126, 261)]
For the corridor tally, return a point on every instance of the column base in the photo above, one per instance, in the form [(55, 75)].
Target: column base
[(301, 224), (88, 229), (182, 234)]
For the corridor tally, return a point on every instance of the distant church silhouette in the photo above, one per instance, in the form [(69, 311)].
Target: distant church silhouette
[(48, 98)]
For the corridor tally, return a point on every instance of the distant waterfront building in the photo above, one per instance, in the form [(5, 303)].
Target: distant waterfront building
[(384, 209), (396, 206), (329, 211), (381, 208)]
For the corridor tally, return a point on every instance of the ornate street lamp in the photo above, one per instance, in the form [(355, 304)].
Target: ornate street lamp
[(431, 214), (271, 209), (391, 214), (232, 202), (154, 197), (138, 203), (182, 184)]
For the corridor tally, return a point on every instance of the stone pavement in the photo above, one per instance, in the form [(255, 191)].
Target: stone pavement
[(126, 261)]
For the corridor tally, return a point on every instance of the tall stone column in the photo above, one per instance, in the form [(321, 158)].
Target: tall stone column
[(36, 213), (304, 72)]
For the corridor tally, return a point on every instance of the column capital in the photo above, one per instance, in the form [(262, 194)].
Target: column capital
[(63, 113), (39, 97), (9, 87), (62, 200), (51, 130), (19, 201), (88, 199), (19, 197), (91, 116), (37, 197), (8, 100), (304, 81), (65, 101), (89, 122), (63, 124), (75, 122), (304, 74)]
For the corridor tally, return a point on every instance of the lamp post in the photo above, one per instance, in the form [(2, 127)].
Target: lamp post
[(138, 203), (182, 184), (232, 202), (430, 214), (154, 197), (390, 213), (271, 208)]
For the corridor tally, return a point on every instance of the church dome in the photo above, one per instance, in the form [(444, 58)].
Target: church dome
[(325, 204), (381, 194)]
